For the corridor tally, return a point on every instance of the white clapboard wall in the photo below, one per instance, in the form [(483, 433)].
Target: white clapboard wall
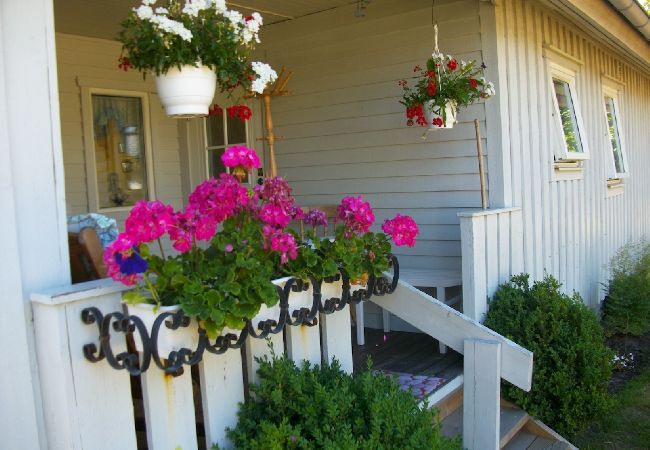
[(571, 228), (344, 130)]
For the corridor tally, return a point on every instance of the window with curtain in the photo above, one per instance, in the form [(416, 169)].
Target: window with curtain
[(119, 150)]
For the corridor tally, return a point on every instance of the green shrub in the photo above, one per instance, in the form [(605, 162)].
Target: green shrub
[(571, 363), (626, 309), (323, 407)]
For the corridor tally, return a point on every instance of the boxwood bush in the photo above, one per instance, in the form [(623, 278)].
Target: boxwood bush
[(325, 408), (571, 363), (626, 310)]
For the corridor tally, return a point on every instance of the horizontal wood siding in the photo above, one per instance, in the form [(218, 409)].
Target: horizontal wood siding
[(344, 129), (93, 63), (571, 228)]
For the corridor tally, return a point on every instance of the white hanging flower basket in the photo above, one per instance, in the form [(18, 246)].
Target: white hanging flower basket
[(187, 92), (435, 117)]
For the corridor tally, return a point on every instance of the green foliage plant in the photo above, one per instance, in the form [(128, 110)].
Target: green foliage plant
[(626, 309), (572, 365), (316, 407)]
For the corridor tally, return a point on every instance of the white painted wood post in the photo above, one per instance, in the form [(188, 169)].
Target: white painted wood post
[(222, 389), (481, 394), (441, 294), (472, 230), (32, 205), (169, 410), (336, 330), (303, 342), (91, 406)]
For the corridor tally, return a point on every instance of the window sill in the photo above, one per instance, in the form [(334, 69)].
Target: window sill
[(615, 187), (566, 170)]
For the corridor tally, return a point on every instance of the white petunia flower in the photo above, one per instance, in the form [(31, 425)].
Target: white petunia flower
[(161, 10), (148, 2), (171, 26), (220, 6), (192, 7), (144, 12), (265, 74), (235, 18)]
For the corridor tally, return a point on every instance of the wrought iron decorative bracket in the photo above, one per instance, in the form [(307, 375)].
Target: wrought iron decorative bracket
[(136, 363)]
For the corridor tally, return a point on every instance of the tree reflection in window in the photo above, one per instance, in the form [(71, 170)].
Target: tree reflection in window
[(614, 136), (567, 116)]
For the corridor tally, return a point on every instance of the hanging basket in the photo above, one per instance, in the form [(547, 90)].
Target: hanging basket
[(187, 92), (440, 119)]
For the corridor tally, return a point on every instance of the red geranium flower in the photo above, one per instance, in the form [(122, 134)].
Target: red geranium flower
[(437, 122), (473, 83), (215, 110), (431, 88), (124, 63), (452, 64)]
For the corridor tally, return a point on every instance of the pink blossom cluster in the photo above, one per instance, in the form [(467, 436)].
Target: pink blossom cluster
[(241, 157), (277, 205), (148, 221), (356, 215), (121, 248), (402, 229), (278, 241), (316, 218)]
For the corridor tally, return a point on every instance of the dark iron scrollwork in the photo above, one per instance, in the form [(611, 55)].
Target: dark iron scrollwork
[(133, 328)]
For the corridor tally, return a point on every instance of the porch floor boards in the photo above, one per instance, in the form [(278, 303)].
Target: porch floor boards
[(414, 353)]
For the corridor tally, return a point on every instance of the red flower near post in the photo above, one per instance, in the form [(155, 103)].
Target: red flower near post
[(473, 83), (242, 112), (452, 64), (215, 110), (437, 122), (124, 63)]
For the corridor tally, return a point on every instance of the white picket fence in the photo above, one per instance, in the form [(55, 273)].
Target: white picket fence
[(89, 405), (493, 249)]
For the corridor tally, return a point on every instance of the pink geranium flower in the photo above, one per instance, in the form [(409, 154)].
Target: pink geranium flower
[(147, 221), (402, 229), (283, 243), (242, 157), (356, 215), (116, 258), (316, 218), (218, 199)]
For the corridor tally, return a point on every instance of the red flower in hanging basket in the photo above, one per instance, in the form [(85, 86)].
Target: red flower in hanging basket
[(215, 110), (437, 122), (452, 64), (242, 112), (124, 63), (473, 83)]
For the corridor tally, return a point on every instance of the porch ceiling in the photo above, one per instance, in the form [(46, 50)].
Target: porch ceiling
[(101, 18)]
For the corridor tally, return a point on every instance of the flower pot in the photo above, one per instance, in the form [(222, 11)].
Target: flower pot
[(187, 92), (168, 340), (446, 120)]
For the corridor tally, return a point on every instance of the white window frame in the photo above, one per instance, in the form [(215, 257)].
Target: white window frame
[(89, 144), (566, 73), (613, 92), (209, 148)]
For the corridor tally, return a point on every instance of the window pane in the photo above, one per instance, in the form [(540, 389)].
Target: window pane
[(215, 164), (567, 116), (214, 130), (612, 125), (236, 131), (119, 150)]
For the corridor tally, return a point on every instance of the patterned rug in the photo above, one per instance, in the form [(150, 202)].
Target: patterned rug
[(421, 386)]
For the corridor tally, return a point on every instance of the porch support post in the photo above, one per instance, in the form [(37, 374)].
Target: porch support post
[(481, 395), (32, 205)]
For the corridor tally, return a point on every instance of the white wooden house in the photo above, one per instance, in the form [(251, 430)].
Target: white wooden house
[(552, 209)]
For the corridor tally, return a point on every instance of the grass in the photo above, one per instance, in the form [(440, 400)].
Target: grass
[(627, 426)]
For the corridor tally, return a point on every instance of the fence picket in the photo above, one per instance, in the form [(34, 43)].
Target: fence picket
[(336, 330), (303, 342), (169, 410), (222, 389)]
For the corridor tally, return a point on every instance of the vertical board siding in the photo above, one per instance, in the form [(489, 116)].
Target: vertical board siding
[(343, 128), (95, 62), (571, 228)]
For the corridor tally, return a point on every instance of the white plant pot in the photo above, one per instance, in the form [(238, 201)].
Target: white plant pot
[(168, 339), (187, 92), (432, 112)]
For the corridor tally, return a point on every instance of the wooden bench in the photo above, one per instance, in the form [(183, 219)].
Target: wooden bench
[(440, 279)]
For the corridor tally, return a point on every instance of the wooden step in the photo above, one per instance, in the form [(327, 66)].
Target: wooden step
[(512, 420), (527, 440)]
